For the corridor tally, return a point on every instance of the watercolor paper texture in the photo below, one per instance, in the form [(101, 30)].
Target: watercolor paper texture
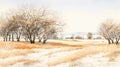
[(59, 33)]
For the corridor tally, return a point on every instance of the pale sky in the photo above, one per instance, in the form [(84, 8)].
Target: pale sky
[(78, 15)]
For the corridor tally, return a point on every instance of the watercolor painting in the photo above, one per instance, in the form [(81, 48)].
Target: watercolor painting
[(59, 33)]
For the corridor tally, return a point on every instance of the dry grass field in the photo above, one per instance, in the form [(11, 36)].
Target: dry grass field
[(60, 53)]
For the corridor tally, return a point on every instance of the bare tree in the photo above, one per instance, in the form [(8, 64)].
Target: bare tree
[(4, 33), (110, 31), (116, 33), (30, 23)]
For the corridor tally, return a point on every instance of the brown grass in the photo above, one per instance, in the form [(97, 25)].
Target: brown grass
[(15, 52), (6, 45), (23, 48), (82, 53), (26, 46), (25, 61), (63, 50), (112, 55)]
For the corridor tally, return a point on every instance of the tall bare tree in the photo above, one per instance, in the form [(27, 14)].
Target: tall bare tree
[(110, 31), (31, 23)]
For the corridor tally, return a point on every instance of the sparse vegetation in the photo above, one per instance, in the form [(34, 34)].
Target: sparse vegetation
[(30, 23), (26, 26), (78, 37), (57, 53), (89, 35), (110, 31)]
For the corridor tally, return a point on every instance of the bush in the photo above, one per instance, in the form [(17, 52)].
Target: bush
[(98, 38), (78, 37), (89, 35)]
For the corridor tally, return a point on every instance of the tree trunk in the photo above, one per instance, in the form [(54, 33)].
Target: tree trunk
[(12, 37), (9, 37), (32, 41), (18, 36), (44, 41), (109, 41), (31, 38), (4, 39), (40, 39), (117, 40), (18, 39), (112, 41)]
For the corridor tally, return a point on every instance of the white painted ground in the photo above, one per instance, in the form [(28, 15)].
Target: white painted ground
[(96, 60)]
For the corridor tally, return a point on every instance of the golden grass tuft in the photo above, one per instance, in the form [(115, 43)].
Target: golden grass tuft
[(14, 52), (18, 60), (112, 55), (82, 53), (26, 46), (6, 45)]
